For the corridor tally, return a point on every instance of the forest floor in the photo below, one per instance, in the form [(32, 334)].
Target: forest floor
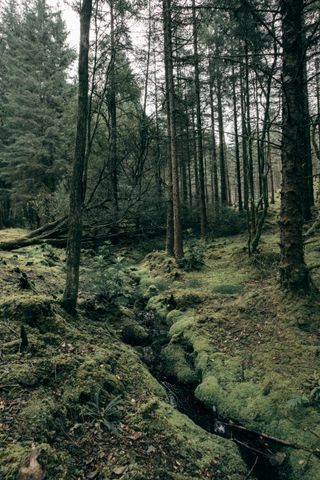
[(80, 399)]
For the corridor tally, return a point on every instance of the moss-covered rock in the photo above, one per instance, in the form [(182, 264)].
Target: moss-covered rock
[(134, 334), (92, 375), (35, 311), (177, 365)]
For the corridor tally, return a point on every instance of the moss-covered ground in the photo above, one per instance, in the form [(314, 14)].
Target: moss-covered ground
[(79, 396), (83, 396)]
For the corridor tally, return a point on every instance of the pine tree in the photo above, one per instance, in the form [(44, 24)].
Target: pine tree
[(35, 94)]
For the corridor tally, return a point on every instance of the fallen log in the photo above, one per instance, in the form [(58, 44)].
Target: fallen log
[(62, 242), (48, 227)]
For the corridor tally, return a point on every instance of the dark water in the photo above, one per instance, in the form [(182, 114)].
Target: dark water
[(263, 457)]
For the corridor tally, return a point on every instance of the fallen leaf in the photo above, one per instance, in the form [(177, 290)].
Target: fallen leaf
[(120, 470), (93, 475), (151, 449), (135, 436), (75, 427), (34, 471)]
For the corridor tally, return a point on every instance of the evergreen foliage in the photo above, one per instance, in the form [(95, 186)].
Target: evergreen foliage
[(34, 143)]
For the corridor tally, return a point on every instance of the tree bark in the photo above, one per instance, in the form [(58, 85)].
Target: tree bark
[(294, 275), (236, 139), (203, 211), (113, 116), (223, 179), (77, 194), (171, 113), (244, 146)]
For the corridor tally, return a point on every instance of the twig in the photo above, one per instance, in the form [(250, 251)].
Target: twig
[(9, 386), (256, 450), (252, 468), (280, 441)]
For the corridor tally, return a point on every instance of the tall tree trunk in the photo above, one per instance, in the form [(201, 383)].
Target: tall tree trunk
[(244, 145), (77, 194), (272, 187), (195, 155), (158, 150), (223, 178), (317, 71), (259, 154), (169, 227), (189, 180), (236, 140), (214, 150), (293, 272), (113, 117), (167, 28), (203, 212), (306, 138), (249, 141)]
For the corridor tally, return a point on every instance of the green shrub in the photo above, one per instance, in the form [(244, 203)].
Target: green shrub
[(229, 222), (108, 276), (194, 256)]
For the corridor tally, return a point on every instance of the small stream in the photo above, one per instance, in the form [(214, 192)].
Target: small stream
[(264, 457)]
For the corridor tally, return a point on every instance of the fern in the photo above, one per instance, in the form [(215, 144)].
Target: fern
[(298, 401), (103, 414)]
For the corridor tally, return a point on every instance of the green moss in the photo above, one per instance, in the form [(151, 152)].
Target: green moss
[(191, 444), (35, 311), (38, 416), (134, 334), (12, 457), (228, 289), (211, 449), (16, 455), (176, 364), (93, 374), (186, 299), (182, 324), (159, 307), (173, 316)]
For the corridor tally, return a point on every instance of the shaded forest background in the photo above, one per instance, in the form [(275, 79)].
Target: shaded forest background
[(209, 157)]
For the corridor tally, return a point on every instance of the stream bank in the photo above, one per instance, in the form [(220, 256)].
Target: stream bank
[(264, 458)]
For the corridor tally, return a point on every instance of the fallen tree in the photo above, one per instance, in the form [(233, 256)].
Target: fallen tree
[(28, 240)]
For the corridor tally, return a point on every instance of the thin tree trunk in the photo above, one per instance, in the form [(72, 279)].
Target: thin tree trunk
[(158, 150), (203, 211), (113, 117), (188, 155), (259, 155), (195, 161), (214, 148), (244, 146), (223, 180), (306, 138), (77, 194), (272, 199), (249, 139), (236, 138)]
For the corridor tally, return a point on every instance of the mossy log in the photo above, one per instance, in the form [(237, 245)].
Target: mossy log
[(86, 239)]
